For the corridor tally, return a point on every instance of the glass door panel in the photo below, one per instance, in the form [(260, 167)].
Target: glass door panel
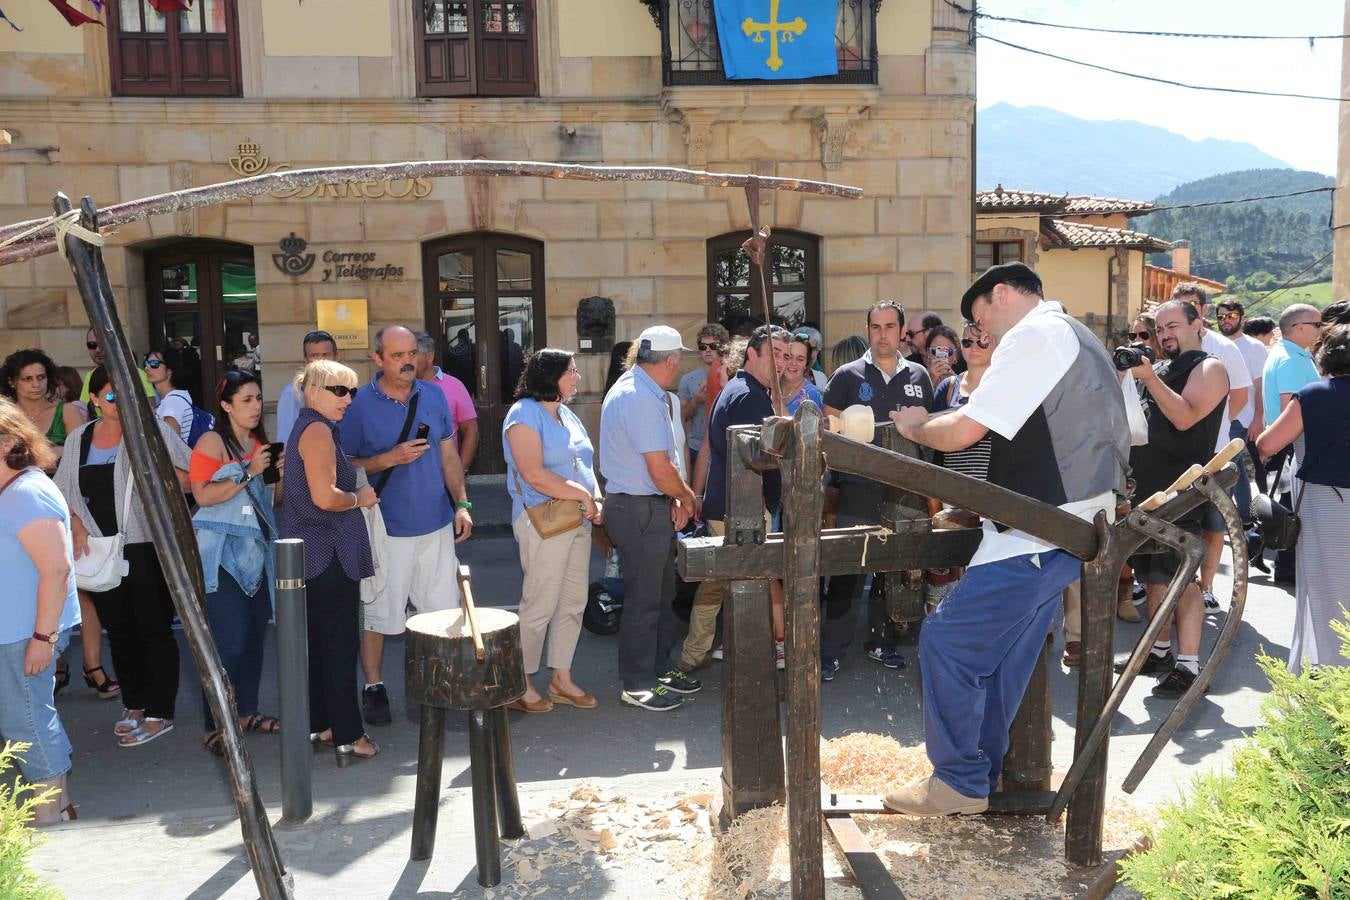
[(515, 328), (459, 336)]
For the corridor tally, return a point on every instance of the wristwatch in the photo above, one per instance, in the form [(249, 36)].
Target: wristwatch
[(47, 638)]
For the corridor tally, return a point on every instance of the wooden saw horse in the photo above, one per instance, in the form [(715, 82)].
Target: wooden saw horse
[(800, 449)]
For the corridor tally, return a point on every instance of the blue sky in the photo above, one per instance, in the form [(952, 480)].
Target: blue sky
[(1301, 132)]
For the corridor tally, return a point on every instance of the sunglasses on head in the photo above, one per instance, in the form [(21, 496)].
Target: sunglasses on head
[(982, 343), (92, 345), (316, 336), (340, 390), (1138, 335)]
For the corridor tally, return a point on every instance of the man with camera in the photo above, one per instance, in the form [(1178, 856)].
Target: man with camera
[(1185, 404)]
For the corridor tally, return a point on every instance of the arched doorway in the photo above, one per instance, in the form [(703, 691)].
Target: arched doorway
[(484, 295), (204, 293)]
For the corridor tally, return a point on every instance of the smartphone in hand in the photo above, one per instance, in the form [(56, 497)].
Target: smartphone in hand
[(271, 474), (422, 431)]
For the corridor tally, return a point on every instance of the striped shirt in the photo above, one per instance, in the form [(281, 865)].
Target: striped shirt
[(973, 460)]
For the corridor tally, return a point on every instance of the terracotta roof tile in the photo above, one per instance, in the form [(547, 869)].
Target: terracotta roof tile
[(1001, 198), (1083, 206), (1059, 233)]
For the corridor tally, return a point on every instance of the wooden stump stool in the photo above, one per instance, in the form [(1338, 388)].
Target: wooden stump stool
[(444, 672)]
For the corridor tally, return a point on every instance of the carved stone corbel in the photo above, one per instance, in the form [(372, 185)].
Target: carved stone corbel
[(833, 134), (697, 138)]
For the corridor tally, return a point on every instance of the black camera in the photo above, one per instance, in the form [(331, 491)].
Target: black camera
[(1126, 358)]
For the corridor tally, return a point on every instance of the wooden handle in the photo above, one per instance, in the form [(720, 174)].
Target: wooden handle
[(470, 614), (1182, 482), (1225, 456)]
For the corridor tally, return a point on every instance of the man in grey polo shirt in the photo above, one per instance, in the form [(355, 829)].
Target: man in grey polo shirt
[(646, 502)]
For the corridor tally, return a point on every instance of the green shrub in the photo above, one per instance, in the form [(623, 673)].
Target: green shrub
[(17, 839), (1278, 824)]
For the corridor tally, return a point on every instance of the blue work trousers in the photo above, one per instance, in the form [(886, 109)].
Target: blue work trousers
[(977, 653)]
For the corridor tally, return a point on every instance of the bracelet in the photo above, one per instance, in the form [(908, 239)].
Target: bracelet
[(356, 499), (463, 504)]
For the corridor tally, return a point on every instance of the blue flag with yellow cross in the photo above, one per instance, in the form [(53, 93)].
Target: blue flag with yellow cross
[(777, 39)]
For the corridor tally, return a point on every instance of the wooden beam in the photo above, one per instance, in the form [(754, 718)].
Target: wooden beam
[(873, 879), (842, 551)]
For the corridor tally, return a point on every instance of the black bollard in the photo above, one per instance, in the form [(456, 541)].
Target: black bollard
[(297, 756)]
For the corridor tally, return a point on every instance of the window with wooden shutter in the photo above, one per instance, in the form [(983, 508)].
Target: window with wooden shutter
[(186, 53), (475, 48)]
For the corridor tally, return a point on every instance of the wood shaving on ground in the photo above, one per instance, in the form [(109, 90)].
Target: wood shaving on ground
[(670, 841)]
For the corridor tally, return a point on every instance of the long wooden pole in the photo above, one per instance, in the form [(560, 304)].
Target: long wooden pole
[(44, 240)]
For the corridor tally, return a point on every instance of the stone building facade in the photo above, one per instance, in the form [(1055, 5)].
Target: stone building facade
[(491, 266)]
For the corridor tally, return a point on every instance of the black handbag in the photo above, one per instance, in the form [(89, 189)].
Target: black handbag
[(1279, 526)]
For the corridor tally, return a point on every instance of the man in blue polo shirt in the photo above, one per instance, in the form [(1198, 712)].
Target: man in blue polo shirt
[(646, 502), (415, 477), (1288, 368)]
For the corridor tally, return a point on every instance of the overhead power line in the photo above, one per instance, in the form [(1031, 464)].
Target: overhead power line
[(1156, 79), (1289, 282), (1173, 34)]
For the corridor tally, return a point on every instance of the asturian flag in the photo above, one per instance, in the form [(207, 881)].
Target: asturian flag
[(777, 39)]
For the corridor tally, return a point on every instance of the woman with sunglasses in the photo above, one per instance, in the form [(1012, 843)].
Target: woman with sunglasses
[(97, 481), (797, 384), (941, 355), (235, 527), (172, 372), (1145, 332), (321, 505)]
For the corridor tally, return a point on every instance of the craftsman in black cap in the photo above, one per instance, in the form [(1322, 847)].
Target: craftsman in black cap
[(1013, 271), (1053, 410)]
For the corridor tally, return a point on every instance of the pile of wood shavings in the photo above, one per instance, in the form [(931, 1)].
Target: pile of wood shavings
[(958, 856)]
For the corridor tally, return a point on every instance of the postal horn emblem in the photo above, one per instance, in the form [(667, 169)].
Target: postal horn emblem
[(293, 260)]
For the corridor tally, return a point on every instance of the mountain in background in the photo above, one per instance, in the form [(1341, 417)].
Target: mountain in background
[(1253, 246), (1033, 148)]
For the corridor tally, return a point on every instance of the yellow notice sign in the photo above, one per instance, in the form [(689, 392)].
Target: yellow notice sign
[(346, 321)]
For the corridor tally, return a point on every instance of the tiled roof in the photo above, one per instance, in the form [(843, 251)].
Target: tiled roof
[(1085, 206), (1059, 233), (1002, 199)]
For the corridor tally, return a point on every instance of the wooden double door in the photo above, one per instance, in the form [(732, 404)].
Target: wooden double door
[(484, 298)]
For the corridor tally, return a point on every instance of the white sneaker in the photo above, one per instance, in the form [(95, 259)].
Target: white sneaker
[(717, 652), (779, 655), (1211, 602)]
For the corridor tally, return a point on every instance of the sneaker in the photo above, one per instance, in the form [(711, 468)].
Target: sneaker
[(1138, 593), (375, 705), (779, 656), (829, 667), (658, 699), (680, 683), (717, 652), (889, 657), (1153, 664), (1211, 602), (1177, 682)]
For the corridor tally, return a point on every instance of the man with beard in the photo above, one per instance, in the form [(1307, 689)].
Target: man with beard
[(1250, 419), (1051, 405), (1183, 399), (400, 430), (95, 348)]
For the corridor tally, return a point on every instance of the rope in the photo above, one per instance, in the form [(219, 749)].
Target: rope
[(63, 224), (882, 535)]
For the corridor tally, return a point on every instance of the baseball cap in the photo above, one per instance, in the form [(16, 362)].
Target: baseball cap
[(992, 276), (662, 339)]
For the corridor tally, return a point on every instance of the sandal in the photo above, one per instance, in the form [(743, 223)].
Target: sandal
[(214, 742), (144, 735), (105, 689), (129, 722), (347, 754), (62, 676), (261, 723)]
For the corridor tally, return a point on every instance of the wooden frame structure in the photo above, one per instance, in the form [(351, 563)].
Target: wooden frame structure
[(800, 450)]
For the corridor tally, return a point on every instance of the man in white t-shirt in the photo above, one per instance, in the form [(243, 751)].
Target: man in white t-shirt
[(1052, 408), (1239, 390), (1231, 317)]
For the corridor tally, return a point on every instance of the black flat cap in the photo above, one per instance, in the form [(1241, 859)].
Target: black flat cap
[(992, 276)]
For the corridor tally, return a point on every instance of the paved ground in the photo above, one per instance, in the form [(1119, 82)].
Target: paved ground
[(158, 820)]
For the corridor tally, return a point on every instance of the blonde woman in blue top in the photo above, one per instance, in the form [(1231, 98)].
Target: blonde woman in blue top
[(549, 456)]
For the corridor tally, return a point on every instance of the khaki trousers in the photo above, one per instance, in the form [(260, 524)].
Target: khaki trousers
[(1073, 612), (703, 617), (553, 595)]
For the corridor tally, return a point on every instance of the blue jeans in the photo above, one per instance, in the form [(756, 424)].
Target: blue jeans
[(239, 626), (28, 713), (977, 653), (1242, 491)]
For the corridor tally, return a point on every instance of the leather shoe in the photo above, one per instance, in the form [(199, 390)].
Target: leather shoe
[(539, 706), (1073, 653), (932, 796), (581, 701)]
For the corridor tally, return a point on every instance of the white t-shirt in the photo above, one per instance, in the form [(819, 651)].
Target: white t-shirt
[(1027, 364), (1238, 377), (1254, 354), (177, 405), (677, 429)]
